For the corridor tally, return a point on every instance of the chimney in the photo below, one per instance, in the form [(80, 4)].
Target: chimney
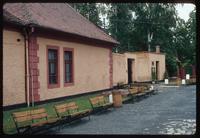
[(157, 49)]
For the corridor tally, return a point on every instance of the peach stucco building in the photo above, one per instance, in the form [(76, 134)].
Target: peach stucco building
[(50, 52), (133, 67)]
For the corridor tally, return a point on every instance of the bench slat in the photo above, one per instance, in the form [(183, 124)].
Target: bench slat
[(62, 110), (73, 107), (39, 116), (21, 114), (61, 106), (38, 111), (23, 119)]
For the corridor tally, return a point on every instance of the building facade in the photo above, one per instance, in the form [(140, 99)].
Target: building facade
[(137, 67), (44, 59), (50, 51)]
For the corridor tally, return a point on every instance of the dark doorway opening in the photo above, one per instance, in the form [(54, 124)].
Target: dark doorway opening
[(157, 70), (130, 69)]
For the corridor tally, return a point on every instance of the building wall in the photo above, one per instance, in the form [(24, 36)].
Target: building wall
[(161, 58), (141, 67), (13, 68), (130, 55), (119, 69), (144, 65), (91, 69)]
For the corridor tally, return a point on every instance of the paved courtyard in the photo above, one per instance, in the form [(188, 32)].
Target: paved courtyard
[(171, 111)]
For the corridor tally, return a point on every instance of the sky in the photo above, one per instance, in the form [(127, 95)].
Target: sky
[(184, 10)]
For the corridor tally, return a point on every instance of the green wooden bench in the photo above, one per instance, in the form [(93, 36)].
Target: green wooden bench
[(70, 111), (27, 121), (99, 103)]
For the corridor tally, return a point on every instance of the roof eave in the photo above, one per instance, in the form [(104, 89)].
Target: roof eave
[(53, 29)]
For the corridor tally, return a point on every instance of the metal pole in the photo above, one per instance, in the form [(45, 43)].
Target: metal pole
[(27, 74), (27, 66)]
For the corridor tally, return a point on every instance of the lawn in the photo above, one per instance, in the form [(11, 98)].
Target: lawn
[(8, 123)]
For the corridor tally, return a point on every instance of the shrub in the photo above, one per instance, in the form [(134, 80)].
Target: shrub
[(166, 76)]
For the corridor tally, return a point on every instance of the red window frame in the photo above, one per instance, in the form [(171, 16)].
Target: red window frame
[(57, 85), (72, 67)]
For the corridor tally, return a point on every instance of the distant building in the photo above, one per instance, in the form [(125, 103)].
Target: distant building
[(137, 66)]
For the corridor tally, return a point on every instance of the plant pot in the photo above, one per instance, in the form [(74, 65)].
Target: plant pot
[(166, 81), (183, 81)]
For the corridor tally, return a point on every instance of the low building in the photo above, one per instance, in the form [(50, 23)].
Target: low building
[(137, 67), (50, 51)]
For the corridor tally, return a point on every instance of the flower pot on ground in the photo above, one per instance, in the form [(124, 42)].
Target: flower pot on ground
[(166, 81), (166, 77)]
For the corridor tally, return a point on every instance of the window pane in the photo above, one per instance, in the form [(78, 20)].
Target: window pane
[(68, 55), (52, 54), (52, 80), (68, 66), (52, 60), (52, 68), (68, 78)]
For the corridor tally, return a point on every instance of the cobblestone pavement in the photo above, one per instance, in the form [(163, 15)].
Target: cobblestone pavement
[(171, 111)]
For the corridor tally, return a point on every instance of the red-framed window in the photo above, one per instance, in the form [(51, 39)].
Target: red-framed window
[(53, 69), (68, 66)]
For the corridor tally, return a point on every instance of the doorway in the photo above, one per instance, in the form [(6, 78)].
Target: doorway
[(157, 70), (130, 70)]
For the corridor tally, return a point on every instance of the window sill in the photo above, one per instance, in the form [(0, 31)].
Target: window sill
[(68, 84), (51, 86)]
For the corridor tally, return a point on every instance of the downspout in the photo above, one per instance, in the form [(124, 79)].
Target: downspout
[(25, 34), (32, 88), (32, 30)]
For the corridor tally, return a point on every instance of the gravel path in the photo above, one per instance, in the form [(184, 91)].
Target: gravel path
[(171, 111)]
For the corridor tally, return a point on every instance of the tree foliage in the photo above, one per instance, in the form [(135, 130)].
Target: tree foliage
[(88, 10), (151, 22), (142, 26), (119, 17)]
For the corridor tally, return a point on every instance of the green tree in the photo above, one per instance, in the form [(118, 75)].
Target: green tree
[(88, 10), (191, 25), (119, 17), (142, 26), (153, 24)]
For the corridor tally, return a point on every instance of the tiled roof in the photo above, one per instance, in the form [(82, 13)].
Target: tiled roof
[(58, 16)]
